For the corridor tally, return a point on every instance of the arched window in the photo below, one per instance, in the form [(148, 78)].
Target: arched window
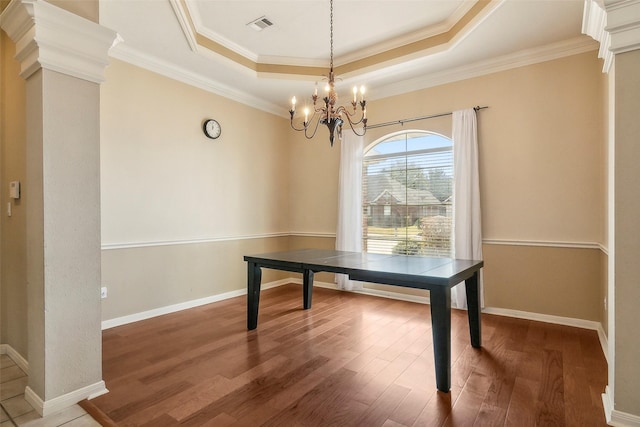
[(407, 190)]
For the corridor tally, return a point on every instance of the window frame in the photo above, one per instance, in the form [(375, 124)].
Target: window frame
[(424, 244)]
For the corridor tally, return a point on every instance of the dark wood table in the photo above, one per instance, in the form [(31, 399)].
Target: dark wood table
[(438, 275)]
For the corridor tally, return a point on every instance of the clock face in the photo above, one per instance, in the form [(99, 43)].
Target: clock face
[(212, 128)]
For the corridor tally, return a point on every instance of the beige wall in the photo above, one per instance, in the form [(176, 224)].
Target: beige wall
[(146, 278), (165, 183), (314, 183), (204, 203), (541, 148), (541, 145), (163, 180), (13, 280), (542, 142), (555, 281), (542, 179)]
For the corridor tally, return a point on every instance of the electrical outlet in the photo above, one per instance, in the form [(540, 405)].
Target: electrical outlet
[(103, 292)]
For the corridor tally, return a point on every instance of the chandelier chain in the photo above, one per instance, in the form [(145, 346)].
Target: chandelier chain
[(331, 32)]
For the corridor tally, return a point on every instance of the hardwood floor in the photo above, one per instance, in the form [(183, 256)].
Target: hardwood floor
[(352, 360)]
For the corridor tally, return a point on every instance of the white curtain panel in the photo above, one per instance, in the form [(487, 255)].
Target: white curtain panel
[(466, 196), (349, 230)]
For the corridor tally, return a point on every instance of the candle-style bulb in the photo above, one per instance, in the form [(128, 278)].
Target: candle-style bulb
[(362, 90), (306, 115), (355, 94), (315, 92)]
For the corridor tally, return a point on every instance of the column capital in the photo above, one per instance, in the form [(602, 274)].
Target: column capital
[(623, 24), (594, 21), (55, 39)]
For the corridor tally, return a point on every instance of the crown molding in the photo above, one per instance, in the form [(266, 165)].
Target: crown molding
[(594, 21), (148, 62), (55, 39), (443, 27), (185, 24), (523, 58), (531, 56), (198, 27), (434, 39), (623, 24), (416, 36)]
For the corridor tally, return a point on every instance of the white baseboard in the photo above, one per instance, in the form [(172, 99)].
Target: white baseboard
[(16, 357), (604, 342), (579, 323), (547, 318), (614, 417), (59, 403), (607, 402), (558, 320), (118, 321)]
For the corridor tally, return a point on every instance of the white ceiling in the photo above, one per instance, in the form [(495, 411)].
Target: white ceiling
[(160, 35)]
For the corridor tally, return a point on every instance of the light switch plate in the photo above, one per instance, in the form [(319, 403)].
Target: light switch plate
[(14, 189)]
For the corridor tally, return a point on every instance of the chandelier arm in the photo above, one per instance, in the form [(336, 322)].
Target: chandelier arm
[(349, 116), (362, 120), (304, 127), (364, 129), (314, 129), (295, 128)]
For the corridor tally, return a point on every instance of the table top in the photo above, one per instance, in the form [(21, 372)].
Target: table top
[(379, 268)]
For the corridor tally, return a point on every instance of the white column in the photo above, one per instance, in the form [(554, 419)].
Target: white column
[(62, 58), (617, 26), (623, 25)]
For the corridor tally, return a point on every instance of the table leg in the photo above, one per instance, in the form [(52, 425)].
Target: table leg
[(307, 288), (441, 328), (474, 310), (254, 277)]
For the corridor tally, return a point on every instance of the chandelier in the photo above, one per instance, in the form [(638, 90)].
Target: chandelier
[(331, 115)]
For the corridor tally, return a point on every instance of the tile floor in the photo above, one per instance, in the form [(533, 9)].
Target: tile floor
[(15, 411)]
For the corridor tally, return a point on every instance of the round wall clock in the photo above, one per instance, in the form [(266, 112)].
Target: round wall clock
[(211, 128)]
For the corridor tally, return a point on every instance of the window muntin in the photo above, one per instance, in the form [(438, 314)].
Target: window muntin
[(407, 195)]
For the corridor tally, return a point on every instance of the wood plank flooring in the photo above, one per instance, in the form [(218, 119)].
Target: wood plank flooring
[(352, 360)]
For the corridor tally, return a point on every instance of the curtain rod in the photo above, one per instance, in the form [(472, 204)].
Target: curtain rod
[(403, 121)]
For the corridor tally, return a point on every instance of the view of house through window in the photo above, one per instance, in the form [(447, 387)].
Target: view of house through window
[(407, 198)]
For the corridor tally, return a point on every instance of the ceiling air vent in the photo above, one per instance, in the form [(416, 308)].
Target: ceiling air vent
[(260, 23)]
